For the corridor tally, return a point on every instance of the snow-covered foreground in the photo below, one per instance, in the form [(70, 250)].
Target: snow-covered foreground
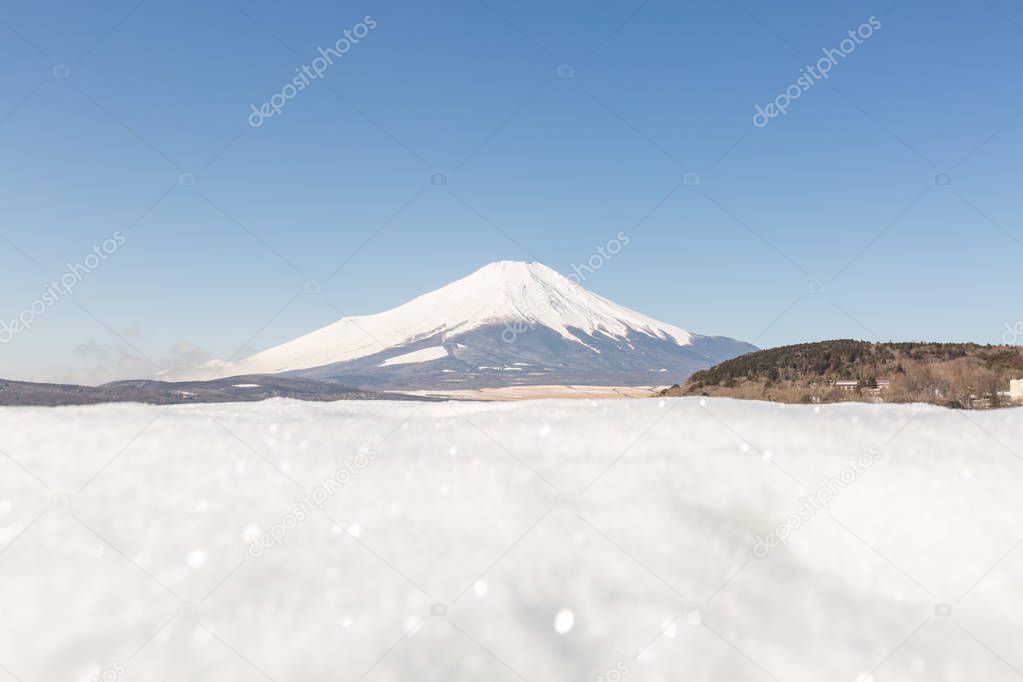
[(444, 552)]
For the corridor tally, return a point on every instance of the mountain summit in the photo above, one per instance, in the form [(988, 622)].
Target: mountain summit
[(508, 323)]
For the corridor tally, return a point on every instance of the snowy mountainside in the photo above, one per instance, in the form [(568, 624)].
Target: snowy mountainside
[(507, 323)]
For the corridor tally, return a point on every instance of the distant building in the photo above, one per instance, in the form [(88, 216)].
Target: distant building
[(880, 386), (1016, 390), (847, 385)]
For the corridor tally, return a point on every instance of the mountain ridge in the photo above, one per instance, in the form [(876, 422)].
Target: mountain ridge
[(957, 375), (250, 388)]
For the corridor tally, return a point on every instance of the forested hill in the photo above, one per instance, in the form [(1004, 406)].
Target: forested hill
[(952, 374)]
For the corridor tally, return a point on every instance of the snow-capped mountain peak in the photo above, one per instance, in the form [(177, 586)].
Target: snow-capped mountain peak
[(485, 305), (532, 293)]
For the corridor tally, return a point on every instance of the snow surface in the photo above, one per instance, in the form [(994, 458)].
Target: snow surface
[(504, 292), (422, 355), (644, 565)]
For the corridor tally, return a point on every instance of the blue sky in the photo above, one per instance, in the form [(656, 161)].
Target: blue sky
[(337, 187)]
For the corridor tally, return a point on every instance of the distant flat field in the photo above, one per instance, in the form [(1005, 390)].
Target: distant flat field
[(540, 392)]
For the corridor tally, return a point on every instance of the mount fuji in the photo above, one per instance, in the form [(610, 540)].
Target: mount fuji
[(510, 323)]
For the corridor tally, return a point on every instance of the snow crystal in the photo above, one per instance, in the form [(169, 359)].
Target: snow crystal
[(196, 558), (563, 621)]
